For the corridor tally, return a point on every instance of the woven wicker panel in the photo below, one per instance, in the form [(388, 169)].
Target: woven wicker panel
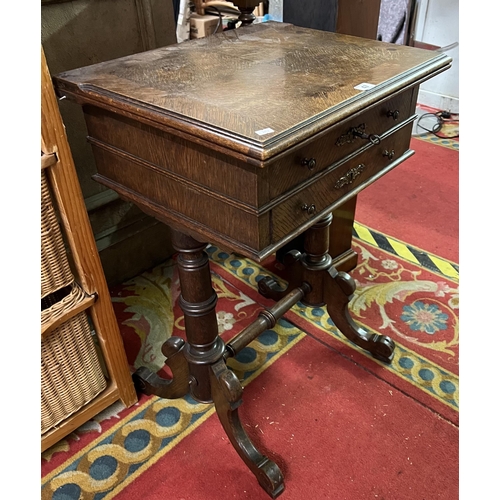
[(56, 272), (71, 373), (70, 300)]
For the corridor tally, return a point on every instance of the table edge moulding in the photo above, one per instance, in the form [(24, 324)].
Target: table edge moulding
[(259, 140)]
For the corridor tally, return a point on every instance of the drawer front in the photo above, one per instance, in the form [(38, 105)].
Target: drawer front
[(182, 203), (338, 184), (331, 146), (186, 159)]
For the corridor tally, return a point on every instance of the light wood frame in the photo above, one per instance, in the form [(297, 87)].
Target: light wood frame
[(58, 162)]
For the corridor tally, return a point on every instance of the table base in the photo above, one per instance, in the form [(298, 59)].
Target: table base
[(198, 365)]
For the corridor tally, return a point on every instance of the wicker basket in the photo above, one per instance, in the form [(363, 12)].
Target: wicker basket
[(54, 311), (56, 273), (71, 373)]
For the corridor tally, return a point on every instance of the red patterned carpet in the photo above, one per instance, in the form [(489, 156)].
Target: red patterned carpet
[(420, 199), (340, 424), (416, 307)]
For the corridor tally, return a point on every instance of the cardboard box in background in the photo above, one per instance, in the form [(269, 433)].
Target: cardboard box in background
[(202, 26)]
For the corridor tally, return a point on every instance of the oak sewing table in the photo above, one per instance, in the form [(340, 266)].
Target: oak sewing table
[(254, 139)]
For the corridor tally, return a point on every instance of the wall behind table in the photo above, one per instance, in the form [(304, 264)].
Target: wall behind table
[(437, 24), (79, 33), (351, 17)]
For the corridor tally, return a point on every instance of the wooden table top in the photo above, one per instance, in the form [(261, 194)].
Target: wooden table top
[(256, 90)]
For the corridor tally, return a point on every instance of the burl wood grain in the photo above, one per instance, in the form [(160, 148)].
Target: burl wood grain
[(284, 80), (175, 130)]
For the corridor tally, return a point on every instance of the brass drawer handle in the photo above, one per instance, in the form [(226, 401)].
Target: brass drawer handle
[(355, 132), (390, 154), (310, 209), (349, 177), (373, 138), (310, 163), (394, 114)]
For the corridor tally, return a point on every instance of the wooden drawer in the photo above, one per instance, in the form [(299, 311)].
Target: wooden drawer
[(339, 184), (293, 168), (253, 186), (159, 192), (170, 153)]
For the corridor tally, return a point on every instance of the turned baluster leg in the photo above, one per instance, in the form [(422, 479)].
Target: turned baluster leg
[(175, 349), (316, 259), (336, 289), (198, 300), (328, 286), (304, 266), (210, 378), (190, 362), (344, 258)]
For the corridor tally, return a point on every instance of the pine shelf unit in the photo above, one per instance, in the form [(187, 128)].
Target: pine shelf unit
[(89, 297)]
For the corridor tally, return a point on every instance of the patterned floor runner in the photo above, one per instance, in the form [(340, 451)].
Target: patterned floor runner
[(401, 292)]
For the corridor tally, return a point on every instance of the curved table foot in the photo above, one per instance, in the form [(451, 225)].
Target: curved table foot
[(339, 288), (149, 382), (226, 394)]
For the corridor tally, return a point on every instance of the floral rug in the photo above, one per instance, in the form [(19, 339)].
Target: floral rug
[(401, 291)]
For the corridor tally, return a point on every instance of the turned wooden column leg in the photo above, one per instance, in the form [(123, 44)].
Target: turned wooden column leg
[(210, 379), (198, 300), (344, 258), (328, 286), (316, 259), (336, 289), (190, 362), (305, 266)]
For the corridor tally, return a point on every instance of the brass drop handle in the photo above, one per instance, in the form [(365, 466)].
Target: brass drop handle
[(310, 209), (390, 154), (373, 138), (394, 114), (310, 163)]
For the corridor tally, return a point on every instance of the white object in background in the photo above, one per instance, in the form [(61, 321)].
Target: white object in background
[(183, 21), (437, 24), (276, 10)]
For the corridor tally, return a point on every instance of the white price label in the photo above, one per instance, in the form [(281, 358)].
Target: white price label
[(264, 131), (364, 86)]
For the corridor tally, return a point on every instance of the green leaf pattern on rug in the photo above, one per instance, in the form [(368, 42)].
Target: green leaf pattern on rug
[(151, 303), (402, 283)]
